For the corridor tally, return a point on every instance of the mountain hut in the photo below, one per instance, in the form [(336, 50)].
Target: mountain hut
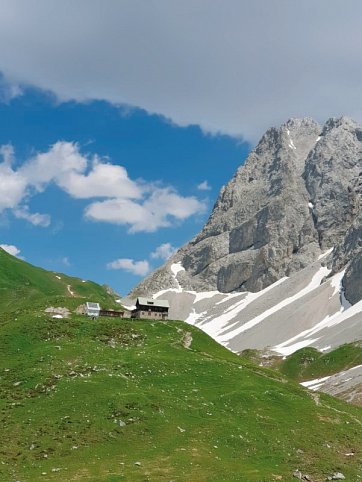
[(149, 308)]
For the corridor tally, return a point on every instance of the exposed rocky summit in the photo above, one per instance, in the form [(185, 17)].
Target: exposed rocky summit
[(297, 195)]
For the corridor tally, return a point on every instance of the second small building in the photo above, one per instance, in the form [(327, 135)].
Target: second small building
[(150, 308)]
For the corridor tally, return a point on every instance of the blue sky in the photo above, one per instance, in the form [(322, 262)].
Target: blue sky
[(47, 220)]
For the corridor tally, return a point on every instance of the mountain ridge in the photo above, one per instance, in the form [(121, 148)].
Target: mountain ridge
[(297, 195)]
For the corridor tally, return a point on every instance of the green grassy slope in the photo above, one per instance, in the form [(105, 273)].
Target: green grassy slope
[(93, 398), (309, 363), (116, 400), (23, 285)]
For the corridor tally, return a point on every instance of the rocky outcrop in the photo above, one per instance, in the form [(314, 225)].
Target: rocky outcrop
[(331, 175), (297, 195)]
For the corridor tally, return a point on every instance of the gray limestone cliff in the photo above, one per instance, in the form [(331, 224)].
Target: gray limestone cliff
[(297, 195)]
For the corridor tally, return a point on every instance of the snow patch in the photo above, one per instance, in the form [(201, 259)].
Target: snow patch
[(229, 296), (58, 277), (315, 283), (311, 205), (194, 317), (327, 322), (315, 384), (169, 290), (57, 316), (213, 326), (326, 253), (288, 350), (325, 348), (205, 295), (336, 283), (291, 143), (175, 269)]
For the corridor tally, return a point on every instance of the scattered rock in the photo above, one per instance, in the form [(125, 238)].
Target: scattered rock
[(137, 463), (80, 310), (298, 475), (336, 476), (58, 312), (187, 340), (121, 423)]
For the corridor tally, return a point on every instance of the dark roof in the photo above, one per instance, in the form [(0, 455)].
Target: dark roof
[(152, 302)]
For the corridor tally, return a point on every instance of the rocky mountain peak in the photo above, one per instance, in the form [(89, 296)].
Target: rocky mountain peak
[(343, 122), (296, 195)]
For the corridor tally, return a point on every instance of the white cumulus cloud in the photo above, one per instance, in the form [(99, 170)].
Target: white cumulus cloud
[(13, 184), (140, 205), (62, 159), (204, 186), (36, 219), (164, 251), (138, 268), (160, 209), (104, 180), (11, 249)]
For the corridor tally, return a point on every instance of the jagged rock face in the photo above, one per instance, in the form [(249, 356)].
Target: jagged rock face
[(349, 254), (296, 196), (352, 281), (331, 171)]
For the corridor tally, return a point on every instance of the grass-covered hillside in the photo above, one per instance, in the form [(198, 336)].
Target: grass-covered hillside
[(115, 400), (23, 286), (309, 363)]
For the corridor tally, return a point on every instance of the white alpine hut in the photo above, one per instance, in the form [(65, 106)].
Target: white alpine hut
[(92, 309)]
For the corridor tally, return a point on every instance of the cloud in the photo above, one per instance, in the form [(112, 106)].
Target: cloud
[(232, 66), (137, 204), (65, 261), (138, 268), (204, 186), (8, 91), (56, 165), (7, 153), (36, 219), (164, 251), (160, 209), (11, 249), (105, 180), (12, 183)]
